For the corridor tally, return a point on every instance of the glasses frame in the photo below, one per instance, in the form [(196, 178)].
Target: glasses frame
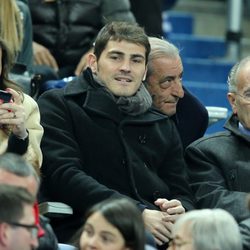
[(33, 229)]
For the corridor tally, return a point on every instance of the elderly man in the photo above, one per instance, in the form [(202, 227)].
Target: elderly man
[(102, 139), (164, 82), (219, 164)]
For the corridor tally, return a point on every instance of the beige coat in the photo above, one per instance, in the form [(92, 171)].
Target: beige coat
[(34, 153)]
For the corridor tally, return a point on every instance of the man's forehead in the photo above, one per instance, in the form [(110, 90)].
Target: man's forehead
[(28, 182), (122, 47), (243, 77)]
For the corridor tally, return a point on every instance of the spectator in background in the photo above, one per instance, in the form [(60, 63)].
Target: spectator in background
[(17, 222), (17, 172), (164, 83), (206, 229), (218, 165), (64, 31), (20, 130), (119, 221), (148, 14), (16, 30), (103, 140)]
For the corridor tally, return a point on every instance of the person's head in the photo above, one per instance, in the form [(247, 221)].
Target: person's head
[(17, 221), (11, 26), (239, 91), (113, 225), (120, 57), (14, 170), (164, 75), (206, 229)]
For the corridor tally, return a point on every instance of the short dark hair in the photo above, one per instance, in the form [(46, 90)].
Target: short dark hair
[(121, 31), (124, 216), (12, 201)]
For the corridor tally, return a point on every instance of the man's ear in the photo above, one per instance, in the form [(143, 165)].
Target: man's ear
[(4, 234), (92, 62), (232, 100)]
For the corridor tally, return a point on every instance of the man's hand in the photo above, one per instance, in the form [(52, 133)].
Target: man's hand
[(83, 64), (42, 56), (172, 208), (155, 223)]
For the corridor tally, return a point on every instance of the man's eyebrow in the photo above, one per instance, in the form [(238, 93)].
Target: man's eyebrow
[(167, 78), (137, 55), (115, 52)]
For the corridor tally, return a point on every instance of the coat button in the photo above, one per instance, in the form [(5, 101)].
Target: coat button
[(142, 139)]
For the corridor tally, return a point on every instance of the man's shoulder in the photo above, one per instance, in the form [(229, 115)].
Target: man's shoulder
[(154, 115), (212, 140)]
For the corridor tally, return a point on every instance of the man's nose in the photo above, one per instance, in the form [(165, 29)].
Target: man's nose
[(125, 65), (178, 89)]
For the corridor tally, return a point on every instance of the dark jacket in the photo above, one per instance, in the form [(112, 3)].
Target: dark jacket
[(219, 170), (191, 118), (68, 27), (92, 151), (148, 14), (25, 56)]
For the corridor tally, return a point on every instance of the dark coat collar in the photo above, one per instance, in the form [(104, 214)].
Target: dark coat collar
[(232, 124), (99, 101)]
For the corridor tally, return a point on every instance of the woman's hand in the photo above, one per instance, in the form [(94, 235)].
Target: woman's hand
[(13, 114)]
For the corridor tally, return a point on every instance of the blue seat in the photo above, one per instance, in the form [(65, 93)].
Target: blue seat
[(199, 46), (177, 22), (205, 70), (211, 94)]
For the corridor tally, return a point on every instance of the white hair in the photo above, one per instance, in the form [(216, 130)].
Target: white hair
[(211, 229)]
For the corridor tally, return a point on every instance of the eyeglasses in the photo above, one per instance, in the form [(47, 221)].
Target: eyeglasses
[(33, 229), (245, 96), (172, 243)]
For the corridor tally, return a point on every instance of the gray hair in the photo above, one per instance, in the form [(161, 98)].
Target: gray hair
[(233, 74), (211, 229), (15, 164), (160, 48)]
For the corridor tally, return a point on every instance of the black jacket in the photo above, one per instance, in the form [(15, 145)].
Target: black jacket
[(219, 170), (92, 151), (68, 27), (191, 118)]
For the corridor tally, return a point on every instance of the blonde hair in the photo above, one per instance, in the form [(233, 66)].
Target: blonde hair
[(11, 25)]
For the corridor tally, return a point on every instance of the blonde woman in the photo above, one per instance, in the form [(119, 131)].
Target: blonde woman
[(16, 30), (20, 129)]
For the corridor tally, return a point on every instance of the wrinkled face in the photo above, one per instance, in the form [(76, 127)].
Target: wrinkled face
[(21, 238), (182, 239), (121, 67), (240, 101), (99, 234), (164, 84)]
